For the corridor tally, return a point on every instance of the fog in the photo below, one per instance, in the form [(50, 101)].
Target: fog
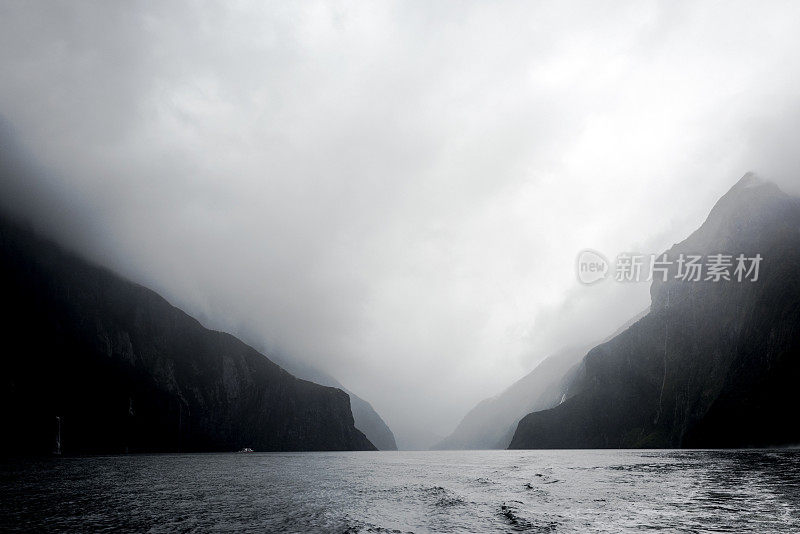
[(393, 192)]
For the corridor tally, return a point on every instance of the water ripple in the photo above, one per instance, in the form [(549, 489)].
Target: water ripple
[(465, 491)]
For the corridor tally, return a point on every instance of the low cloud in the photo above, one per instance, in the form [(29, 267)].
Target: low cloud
[(394, 192)]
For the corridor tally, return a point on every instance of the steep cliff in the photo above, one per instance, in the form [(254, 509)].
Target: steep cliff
[(367, 420), (491, 423), (714, 363), (126, 371)]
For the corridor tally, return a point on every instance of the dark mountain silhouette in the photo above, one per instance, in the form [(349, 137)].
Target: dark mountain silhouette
[(492, 422), (713, 364), (367, 420), (126, 371)]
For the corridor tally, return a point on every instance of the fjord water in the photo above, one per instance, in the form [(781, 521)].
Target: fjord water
[(442, 491)]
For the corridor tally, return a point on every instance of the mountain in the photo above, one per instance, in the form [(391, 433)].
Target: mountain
[(714, 363), (491, 424), (126, 371), (413, 438), (366, 418)]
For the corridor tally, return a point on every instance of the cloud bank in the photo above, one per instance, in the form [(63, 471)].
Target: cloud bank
[(394, 192)]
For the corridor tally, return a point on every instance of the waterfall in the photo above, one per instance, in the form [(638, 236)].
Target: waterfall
[(57, 449)]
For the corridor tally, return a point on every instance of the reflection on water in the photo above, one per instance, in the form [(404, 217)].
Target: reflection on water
[(464, 491)]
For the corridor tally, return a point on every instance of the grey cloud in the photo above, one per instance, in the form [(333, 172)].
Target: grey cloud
[(395, 192)]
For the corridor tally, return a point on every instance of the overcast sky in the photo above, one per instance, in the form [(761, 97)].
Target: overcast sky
[(394, 192)]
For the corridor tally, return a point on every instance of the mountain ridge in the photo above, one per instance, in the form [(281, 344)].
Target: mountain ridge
[(366, 418), (127, 371), (492, 422), (711, 360)]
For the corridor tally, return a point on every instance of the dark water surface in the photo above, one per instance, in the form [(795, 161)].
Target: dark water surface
[(465, 491)]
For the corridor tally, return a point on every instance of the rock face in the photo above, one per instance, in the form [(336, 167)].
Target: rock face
[(126, 371), (367, 420), (371, 424), (491, 423), (714, 364)]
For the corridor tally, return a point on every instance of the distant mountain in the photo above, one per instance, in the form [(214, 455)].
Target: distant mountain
[(491, 424), (366, 418), (713, 364), (126, 371), (413, 438)]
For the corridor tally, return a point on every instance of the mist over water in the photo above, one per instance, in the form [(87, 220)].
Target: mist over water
[(370, 226), (466, 491), (396, 192)]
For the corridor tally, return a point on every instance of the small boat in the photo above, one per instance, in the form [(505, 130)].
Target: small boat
[(246, 449)]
